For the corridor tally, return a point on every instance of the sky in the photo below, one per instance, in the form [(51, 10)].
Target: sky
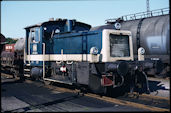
[(16, 15)]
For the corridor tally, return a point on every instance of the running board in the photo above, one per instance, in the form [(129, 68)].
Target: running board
[(28, 70), (52, 80), (27, 75)]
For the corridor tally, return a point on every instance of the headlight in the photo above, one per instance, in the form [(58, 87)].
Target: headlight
[(94, 50), (141, 50), (117, 26)]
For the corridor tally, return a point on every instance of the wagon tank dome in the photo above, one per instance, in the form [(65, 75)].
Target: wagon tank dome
[(19, 45)]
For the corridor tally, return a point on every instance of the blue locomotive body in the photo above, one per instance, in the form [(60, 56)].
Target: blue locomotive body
[(77, 43)]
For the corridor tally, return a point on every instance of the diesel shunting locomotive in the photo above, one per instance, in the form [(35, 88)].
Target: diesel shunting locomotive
[(70, 52)]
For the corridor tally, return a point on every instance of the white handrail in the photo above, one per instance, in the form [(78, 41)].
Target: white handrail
[(29, 48), (24, 53), (43, 60)]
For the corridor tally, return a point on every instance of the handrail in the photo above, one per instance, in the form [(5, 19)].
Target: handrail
[(140, 15), (43, 60)]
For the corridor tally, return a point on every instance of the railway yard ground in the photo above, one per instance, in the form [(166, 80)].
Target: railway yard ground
[(34, 96)]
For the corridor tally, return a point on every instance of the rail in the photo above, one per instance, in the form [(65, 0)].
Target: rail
[(152, 13)]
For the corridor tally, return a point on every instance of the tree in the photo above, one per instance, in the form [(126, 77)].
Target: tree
[(11, 41)]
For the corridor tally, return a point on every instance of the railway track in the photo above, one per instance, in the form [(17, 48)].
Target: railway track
[(151, 103), (143, 101)]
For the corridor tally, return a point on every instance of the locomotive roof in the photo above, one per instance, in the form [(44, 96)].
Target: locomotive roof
[(53, 22), (102, 27)]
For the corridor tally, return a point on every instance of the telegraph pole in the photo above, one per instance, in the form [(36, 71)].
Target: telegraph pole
[(148, 7)]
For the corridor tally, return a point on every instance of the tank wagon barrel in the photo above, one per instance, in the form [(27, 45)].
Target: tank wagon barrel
[(151, 33)]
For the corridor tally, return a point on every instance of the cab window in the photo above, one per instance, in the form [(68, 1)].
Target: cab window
[(35, 35)]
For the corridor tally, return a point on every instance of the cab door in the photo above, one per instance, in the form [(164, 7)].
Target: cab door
[(35, 46)]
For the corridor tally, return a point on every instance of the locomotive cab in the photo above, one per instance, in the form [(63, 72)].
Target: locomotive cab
[(111, 70)]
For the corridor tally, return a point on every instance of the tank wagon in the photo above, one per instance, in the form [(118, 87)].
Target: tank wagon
[(11, 55), (67, 51), (19, 57), (150, 31)]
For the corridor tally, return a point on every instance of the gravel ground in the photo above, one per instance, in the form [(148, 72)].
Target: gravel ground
[(159, 87)]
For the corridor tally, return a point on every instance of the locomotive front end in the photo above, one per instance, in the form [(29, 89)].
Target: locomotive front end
[(116, 67), (118, 51), (115, 60)]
